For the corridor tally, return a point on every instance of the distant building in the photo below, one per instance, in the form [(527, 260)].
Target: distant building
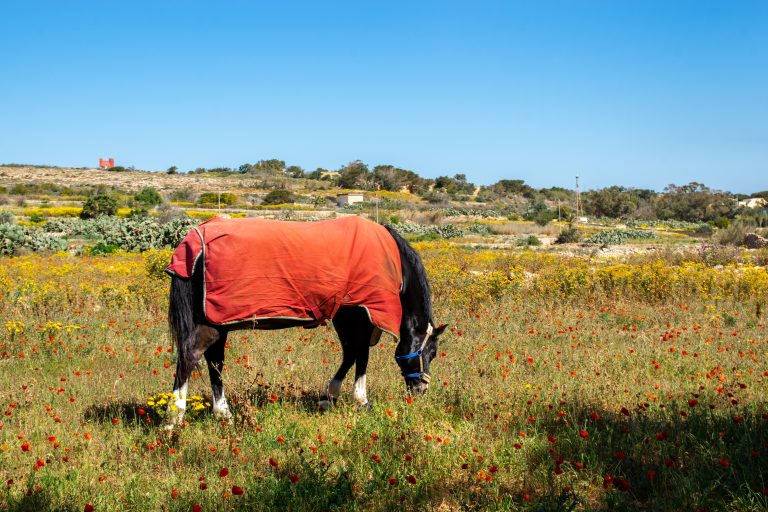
[(348, 199), (753, 202), (106, 163)]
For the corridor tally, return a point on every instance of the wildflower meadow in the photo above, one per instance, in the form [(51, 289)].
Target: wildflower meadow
[(564, 382)]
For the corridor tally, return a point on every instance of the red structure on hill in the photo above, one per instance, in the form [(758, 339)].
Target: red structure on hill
[(105, 163)]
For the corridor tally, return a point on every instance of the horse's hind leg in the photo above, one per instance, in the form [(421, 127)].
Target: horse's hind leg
[(214, 356), (190, 352), (333, 388), (355, 331)]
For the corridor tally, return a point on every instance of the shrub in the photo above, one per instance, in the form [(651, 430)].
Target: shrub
[(279, 196), (530, 240), (99, 204), (184, 195), (7, 217), (149, 196), (732, 235), (619, 236), (13, 238), (101, 249), (225, 198), (568, 236)]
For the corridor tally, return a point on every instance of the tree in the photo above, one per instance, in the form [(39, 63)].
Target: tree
[(695, 202), (294, 171), (509, 188), (279, 196), (457, 187), (149, 196), (172, 169), (272, 165), (354, 175), (99, 204), (614, 202)]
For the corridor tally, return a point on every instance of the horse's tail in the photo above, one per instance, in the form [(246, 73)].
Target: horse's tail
[(181, 321)]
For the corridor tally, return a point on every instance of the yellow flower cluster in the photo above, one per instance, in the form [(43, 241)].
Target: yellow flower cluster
[(472, 277), (161, 402)]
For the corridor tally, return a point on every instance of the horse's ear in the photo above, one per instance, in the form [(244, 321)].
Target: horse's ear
[(439, 329)]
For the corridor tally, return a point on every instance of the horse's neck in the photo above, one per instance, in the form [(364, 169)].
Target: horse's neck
[(416, 314)]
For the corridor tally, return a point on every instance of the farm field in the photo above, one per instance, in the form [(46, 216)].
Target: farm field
[(564, 383)]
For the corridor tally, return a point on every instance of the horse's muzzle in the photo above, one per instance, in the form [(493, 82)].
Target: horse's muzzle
[(417, 387)]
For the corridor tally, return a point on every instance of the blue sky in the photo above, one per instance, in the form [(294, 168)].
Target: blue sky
[(633, 93)]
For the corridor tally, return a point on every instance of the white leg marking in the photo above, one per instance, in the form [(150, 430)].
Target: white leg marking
[(221, 408), (178, 407), (361, 395)]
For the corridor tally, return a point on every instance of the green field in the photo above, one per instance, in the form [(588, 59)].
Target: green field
[(537, 403)]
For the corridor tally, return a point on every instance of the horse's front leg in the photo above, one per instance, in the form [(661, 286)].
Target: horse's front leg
[(214, 356)]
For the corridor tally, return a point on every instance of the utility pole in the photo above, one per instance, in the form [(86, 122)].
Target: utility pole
[(578, 200)]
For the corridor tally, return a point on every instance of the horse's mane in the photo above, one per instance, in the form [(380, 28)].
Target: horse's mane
[(414, 274)]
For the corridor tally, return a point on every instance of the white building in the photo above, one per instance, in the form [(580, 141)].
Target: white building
[(753, 202), (347, 199)]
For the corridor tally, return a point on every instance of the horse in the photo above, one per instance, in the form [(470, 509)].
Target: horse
[(222, 262)]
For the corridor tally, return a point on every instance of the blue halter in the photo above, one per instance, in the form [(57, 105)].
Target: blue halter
[(423, 376)]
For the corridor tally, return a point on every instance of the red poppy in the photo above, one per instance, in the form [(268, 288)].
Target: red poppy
[(393, 481), (280, 439), (237, 491), (583, 434), (725, 463), (294, 478), (272, 462), (174, 493), (88, 508), (197, 508), (115, 421), (25, 447), (411, 479), (621, 484)]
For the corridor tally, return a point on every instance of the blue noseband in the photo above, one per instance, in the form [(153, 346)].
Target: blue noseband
[(421, 374)]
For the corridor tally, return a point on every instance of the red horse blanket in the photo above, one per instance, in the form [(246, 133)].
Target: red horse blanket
[(258, 269)]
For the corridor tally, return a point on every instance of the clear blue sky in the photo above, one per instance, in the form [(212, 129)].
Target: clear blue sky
[(635, 93)]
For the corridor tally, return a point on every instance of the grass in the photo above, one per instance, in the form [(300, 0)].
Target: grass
[(534, 405)]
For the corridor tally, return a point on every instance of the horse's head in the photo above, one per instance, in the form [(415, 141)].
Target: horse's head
[(414, 354)]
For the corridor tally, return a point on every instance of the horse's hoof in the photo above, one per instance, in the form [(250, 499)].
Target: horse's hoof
[(224, 416), (366, 407), (324, 405)]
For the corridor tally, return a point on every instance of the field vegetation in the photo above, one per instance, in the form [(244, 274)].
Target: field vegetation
[(619, 364), (565, 383)]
